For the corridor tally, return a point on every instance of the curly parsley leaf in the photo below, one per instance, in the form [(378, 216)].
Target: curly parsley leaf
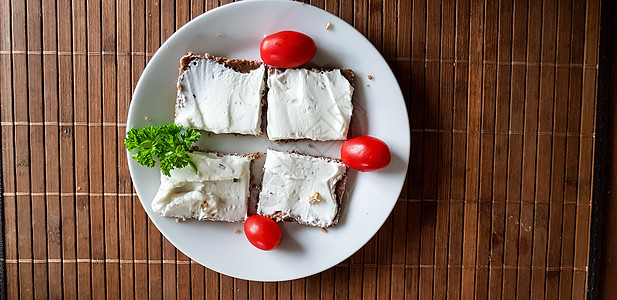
[(170, 143)]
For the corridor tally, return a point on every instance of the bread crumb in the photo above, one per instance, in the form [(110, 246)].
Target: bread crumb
[(271, 71), (370, 77), (368, 85), (147, 118), (179, 86), (323, 229), (310, 145), (78, 188), (177, 220), (238, 231), (328, 26), (205, 205), (314, 198), (219, 34)]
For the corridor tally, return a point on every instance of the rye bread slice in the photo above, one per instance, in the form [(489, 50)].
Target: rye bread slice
[(339, 191), (347, 74), (238, 65)]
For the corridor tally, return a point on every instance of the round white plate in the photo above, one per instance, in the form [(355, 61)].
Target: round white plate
[(235, 31)]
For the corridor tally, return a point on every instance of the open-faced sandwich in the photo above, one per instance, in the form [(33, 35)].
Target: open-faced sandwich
[(220, 95), (217, 191), (302, 188)]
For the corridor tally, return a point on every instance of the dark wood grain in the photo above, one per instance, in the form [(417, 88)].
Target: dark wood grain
[(139, 218), (8, 151), (226, 287), (212, 284), (22, 163), (82, 203), (37, 142), (183, 271), (109, 46), (530, 141), (125, 188), (240, 289), (588, 109)]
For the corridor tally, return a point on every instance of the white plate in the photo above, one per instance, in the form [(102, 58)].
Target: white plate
[(235, 31)]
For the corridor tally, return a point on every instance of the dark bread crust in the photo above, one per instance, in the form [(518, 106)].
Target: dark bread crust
[(349, 75), (238, 65), (339, 190)]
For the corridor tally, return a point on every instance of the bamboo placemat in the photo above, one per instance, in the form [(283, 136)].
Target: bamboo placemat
[(501, 99)]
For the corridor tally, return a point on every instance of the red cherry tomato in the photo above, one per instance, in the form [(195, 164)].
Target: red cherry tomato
[(287, 49), (262, 232), (365, 153)]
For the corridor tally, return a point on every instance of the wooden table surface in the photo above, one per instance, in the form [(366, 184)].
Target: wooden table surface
[(501, 97)]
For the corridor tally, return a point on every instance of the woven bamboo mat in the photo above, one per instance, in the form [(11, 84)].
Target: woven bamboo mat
[(501, 99)]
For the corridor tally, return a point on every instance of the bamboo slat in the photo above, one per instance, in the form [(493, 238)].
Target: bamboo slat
[(501, 97), (139, 218), (52, 183), (37, 141), (8, 154), (80, 100)]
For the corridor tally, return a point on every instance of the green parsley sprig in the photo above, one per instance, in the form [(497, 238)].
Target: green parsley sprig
[(169, 143)]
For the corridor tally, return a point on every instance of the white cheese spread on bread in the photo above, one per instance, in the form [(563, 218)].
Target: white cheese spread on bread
[(308, 104), (300, 187), (216, 98), (218, 191)]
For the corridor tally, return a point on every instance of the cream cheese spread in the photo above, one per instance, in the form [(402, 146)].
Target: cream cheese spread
[(308, 104), (218, 191), (300, 187), (216, 98)]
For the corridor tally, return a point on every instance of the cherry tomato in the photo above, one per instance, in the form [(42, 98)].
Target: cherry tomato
[(287, 49), (262, 232), (365, 153)]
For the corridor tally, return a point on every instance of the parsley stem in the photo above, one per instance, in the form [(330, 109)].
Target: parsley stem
[(193, 165)]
